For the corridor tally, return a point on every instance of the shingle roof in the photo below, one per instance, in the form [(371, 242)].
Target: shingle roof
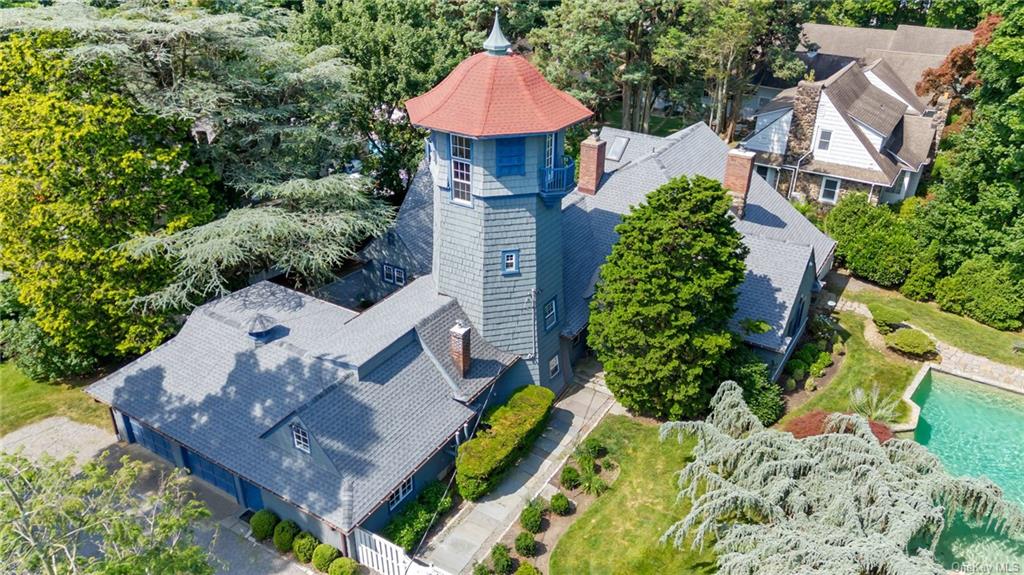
[(912, 141), (853, 42), (908, 66), (589, 222), (372, 396), (886, 74), (489, 95), (928, 40), (854, 95), (768, 293)]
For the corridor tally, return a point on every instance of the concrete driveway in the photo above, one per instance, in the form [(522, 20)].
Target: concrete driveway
[(223, 533)]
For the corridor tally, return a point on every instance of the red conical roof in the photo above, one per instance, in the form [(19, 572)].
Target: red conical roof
[(495, 95)]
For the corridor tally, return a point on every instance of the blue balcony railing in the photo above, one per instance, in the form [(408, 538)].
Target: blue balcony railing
[(557, 182)]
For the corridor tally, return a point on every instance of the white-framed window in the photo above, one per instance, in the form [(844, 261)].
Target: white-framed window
[(510, 262), (389, 273), (300, 438), (462, 163), (550, 314), (824, 139), (399, 494), (829, 190), (553, 368), (399, 276), (549, 156)]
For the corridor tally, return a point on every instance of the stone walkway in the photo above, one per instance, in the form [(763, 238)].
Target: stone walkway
[(957, 360), (469, 535)]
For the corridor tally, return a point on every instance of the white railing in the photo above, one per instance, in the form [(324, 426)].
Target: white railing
[(385, 557)]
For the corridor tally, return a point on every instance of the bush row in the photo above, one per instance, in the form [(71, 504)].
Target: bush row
[(288, 537), (512, 429), (407, 527)]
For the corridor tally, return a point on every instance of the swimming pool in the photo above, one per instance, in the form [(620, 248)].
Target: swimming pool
[(976, 430)]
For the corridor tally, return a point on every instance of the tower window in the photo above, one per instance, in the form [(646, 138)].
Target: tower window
[(300, 438), (550, 314), (462, 162), (511, 157), (510, 262)]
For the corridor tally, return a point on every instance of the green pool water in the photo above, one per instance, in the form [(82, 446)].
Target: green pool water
[(976, 430)]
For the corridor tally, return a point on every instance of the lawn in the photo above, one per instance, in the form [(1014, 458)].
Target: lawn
[(619, 532), (23, 401), (863, 366), (964, 333), (660, 125)]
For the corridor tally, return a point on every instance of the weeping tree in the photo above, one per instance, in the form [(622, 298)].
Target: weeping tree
[(834, 503), (272, 123)]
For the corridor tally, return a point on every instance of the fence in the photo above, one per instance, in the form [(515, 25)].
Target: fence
[(385, 557)]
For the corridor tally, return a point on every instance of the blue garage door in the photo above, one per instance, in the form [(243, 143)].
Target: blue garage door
[(210, 472), (253, 498), (150, 439)]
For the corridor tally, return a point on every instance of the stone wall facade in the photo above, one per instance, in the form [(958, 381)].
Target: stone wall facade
[(805, 113)]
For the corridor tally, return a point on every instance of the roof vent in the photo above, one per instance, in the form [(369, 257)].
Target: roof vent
[(496, 44), (259, 326)]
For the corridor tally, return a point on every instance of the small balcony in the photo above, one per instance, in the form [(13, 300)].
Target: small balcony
[(557, 182)]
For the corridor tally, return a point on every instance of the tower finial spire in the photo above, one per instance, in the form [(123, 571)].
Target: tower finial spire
[(496, 44)]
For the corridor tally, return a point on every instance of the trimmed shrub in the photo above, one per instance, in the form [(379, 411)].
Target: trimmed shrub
[(284, 535), (886, 318), (790, 384), (794, 365), (501, 559), (343, 566), (911, 342), (482, 461), (408, 526), (817, 369), (303, 546), (323, 556), (262, 523), (590, 446), (527, 569), (924, 275), (874, 243), (985, 291), (532, 516), (560, 504), (570, 477), (525, 544), (482, 569), (800, 373)]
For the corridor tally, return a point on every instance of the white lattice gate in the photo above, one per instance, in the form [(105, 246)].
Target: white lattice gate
[(385, 557)]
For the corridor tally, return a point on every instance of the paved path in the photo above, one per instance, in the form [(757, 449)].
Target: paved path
[(223, 532), (957, 360), (470, 535)]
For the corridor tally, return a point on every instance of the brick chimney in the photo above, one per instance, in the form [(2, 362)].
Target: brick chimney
[(739, 165), (592, 152), (458, 344)]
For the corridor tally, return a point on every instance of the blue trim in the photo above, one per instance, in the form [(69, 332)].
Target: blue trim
[(543, 314), (511, 157), (508, 272)]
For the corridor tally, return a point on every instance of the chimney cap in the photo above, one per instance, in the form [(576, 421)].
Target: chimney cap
[(460, 327), (742, 152), (595, 133)]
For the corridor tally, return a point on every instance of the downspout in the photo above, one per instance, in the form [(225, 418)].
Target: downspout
[(796, 172)]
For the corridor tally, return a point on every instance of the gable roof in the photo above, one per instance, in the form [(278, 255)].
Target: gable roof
[(855, 96), (908, 66), (370, 388), (774, 274), (588, 227), (854, 42), (884, 72)]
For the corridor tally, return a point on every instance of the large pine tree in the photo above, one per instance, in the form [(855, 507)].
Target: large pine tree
[(659, 319)]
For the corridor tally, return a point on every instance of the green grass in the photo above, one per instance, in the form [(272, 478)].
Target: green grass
[(23, 401), (863, 366), (660, 125), (961, 332), (619, 532)]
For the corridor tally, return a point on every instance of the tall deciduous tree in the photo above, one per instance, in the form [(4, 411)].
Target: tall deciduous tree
[(54, 520), (835, 503), (84, 172), (659, 316), (956, 76)]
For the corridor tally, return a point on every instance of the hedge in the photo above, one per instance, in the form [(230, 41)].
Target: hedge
[(874, 243), (303, 546), (407, 528), (986, 291), (886, 318), (911, 342), (343, 566), (262, 523), (284, 535), (323, 556), (513, 427)]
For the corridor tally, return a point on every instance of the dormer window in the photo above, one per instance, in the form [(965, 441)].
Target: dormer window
[(300, 438), (462, 162)]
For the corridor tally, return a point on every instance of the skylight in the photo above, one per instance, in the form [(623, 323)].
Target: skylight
[(618, 147)]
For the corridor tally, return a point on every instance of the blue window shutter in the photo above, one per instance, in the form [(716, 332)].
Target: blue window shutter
[(511, 157)]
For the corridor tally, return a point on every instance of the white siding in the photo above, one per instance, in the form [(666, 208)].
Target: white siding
[(878, 83), (874, 137), (844, 148), (774, 135)]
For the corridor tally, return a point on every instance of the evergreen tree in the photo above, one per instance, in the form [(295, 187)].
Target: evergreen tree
[(835, 503), (666, 293)]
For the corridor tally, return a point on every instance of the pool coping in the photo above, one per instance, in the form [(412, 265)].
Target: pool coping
[(915, 409)]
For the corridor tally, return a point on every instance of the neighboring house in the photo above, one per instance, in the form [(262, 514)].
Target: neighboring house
[(907, 50), (335, 418)]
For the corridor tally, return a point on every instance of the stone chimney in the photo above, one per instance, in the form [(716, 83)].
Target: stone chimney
[(458, 344), (592, 152), (739, 165), (805, 113)]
